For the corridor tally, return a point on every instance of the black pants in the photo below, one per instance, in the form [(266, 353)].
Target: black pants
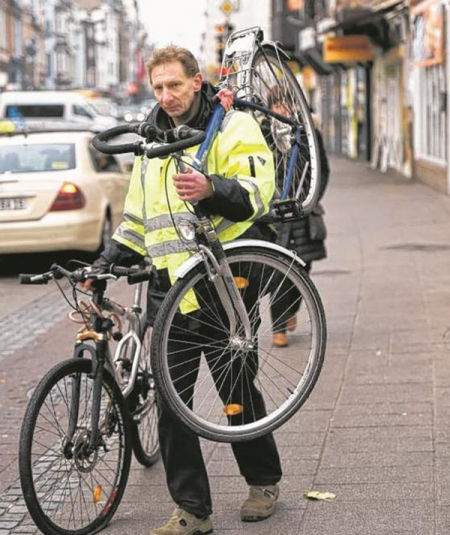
[(258, 460)]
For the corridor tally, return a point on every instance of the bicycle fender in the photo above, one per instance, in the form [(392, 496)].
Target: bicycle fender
[(277, 47), (236, 244)]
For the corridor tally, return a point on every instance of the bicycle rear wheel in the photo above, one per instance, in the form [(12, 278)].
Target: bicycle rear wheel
[(69, 490), (273, 85), (219, 385), (145, 410)]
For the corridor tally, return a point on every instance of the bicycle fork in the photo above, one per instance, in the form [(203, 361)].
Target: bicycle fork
[(98, 364), (220, 274)]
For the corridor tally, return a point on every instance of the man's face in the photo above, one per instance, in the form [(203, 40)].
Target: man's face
[(174, 89)]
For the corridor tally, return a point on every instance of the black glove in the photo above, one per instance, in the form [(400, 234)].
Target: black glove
[(116, 253)]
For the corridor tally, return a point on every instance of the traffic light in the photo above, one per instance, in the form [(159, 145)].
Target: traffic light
[(220, 38), (229, 28), (223, 31)]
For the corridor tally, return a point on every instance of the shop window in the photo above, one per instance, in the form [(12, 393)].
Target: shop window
[(430, 113)]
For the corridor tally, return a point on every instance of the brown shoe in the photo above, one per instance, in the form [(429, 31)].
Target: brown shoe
[(260, 503), (292, 323), (280, 340), (183, 523)]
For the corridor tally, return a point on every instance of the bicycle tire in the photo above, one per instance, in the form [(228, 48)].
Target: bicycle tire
[(192, 394), (272, 82), (145, 413), (64, 493)]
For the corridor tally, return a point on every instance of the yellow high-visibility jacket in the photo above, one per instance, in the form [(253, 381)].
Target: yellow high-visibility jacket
[(239, 152)]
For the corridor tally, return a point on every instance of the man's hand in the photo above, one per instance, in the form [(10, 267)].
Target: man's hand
[(192, 186)]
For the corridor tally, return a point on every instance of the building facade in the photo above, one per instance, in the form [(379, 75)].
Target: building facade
[(63, 44)]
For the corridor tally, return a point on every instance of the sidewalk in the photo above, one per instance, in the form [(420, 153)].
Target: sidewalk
[(376, 429)]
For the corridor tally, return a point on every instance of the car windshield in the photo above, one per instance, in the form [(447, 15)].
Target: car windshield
[(34, 158)]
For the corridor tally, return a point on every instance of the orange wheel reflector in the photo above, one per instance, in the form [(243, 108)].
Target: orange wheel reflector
[(232, 409), (241, 282), (96, 495)]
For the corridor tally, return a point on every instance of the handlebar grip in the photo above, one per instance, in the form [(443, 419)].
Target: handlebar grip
[(120, 271), (100, 141), (30, 278), (139, 276), (165, 150)]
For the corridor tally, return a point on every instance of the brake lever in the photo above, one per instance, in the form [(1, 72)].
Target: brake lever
[(104, 276)]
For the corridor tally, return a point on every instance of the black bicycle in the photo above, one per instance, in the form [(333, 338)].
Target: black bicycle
[(88, 413)]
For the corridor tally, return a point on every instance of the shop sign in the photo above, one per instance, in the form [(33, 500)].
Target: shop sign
[(348, 48), (428, 33)]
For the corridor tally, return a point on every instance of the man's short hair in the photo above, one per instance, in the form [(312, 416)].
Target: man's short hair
[(277, 97), (172, 53)]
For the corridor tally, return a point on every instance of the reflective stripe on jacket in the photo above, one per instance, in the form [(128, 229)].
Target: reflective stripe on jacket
[(239, 152)]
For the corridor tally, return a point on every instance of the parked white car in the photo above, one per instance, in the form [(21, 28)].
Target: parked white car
[(30, 106), (57, 193)]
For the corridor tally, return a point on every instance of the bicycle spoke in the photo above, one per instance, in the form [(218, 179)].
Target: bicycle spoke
[(71, 483), (241, 384)]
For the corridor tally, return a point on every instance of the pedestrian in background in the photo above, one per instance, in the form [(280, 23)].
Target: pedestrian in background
[(305, 236)]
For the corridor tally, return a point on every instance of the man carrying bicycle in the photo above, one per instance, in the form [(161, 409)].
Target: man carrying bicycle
[(237, 191)]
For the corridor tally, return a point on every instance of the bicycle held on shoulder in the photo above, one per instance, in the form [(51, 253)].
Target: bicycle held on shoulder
[(211, 354), (88, 413), (215, 366)]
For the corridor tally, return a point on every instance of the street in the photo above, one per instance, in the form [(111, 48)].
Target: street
[(375, 431)]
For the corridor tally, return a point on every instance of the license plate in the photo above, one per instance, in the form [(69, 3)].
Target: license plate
[(13, 204)]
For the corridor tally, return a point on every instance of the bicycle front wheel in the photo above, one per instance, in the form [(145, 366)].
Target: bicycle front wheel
[(220, 384), (144, 408), (273, 84), (70, 489)]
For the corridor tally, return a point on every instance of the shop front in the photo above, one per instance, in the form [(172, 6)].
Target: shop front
[(429, 86), (392, 113), (346, 95)]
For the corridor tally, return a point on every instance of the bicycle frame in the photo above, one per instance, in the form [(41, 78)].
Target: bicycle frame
[(101, 356)]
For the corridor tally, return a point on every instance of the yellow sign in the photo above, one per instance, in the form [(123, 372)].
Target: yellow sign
[(348, 48), (226, 7), (7, 127)]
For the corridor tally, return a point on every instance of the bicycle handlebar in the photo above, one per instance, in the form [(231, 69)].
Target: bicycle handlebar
[(28, 278), (176, 146), (173, 140), (134, 274), (100, 141)]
